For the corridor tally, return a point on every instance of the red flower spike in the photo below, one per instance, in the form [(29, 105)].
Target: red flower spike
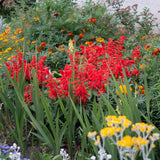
[(91, 68)]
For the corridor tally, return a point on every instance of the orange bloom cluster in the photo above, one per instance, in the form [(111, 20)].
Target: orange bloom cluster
[(39, 48), (81, 35), (156, 51), (92, 20), (70, 34)]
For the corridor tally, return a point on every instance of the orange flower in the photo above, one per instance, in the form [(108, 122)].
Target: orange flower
[(71, 16), (27, 24), (7, 28), (70, 34), (92, 20), (147, 47), (36, 18), (19, 30), (100, 39), (95, 6), (81, 35), (156, 51), (43, 44), (144, 37), (51, 49), (60, 46), (73, 40), (38, 49), (141, 88), (142, 66)]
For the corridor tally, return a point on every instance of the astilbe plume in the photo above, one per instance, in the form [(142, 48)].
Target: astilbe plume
[(90, 70)]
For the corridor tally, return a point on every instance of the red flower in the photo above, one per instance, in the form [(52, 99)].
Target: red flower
[(56, 14), (92, 20), (81, 92), (63, 30), (91, 68), (28, 95), (15, 66)]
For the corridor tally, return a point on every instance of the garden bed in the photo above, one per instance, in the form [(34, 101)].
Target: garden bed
[(79, 82)]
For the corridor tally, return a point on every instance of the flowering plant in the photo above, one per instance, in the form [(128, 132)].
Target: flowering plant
[(11, 152), (90, 70), (127, 145)]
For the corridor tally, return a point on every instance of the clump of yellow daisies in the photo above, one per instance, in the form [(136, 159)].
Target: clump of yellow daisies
[(128, 146)]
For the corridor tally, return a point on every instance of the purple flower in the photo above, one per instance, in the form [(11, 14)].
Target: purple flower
[(4, 151), (5, 146)]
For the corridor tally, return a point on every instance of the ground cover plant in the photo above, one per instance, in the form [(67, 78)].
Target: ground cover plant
[(72, 73)]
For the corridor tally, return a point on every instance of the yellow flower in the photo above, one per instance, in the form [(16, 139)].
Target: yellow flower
[(127, 141), (100, 39), (105, 132), (142, 127), (49, 52), (126, 123), (5, 40), (87, 42), (97, 142), (71, 47), (123, 89), (140, 141), (22, 39), (13, 37), (153, 146), (140, 87), (105, 84), (36, 18), (33, 42), (9, 48), (6, 50), (92, 134)]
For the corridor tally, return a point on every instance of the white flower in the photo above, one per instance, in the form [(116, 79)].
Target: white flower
[(64, 154), (15, 154), (93, 158)]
